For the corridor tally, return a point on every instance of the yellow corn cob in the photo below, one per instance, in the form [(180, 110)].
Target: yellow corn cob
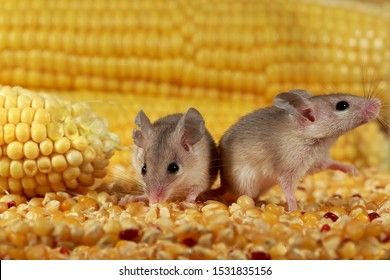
[(48, 144), (166, 55), (165, 46)]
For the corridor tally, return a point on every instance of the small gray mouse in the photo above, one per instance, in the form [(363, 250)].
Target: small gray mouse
[(282, 143), (176, 156)]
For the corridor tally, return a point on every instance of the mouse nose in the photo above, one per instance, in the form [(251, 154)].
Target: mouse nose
[(371, 108), (157, 194)]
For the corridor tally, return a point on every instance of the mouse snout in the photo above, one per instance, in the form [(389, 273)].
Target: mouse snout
[(157, 194), (371, 109)]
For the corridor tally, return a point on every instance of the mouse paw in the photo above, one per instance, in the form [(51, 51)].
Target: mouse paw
[(125, 200), (353, 171), (350, 169)]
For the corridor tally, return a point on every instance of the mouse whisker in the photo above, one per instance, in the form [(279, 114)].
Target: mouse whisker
[(385, 122), (329, 88)]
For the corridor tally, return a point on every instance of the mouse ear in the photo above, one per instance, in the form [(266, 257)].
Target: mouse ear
[(296, 103), (190, 128), (146, 129)]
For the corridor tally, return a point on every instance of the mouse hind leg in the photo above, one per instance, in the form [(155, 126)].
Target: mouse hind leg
[(288, 185), (246, 180)]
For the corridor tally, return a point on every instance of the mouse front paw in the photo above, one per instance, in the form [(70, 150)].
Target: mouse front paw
[(126, 200), (352, 170)]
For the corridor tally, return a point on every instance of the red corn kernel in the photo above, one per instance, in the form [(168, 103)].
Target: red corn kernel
[(384, 238), (331, 216), (325, 227), (336, 196), (373, 216), (64, 251), (128, 234), (189, 242), (357, 195), (258, 255), (11, 204)]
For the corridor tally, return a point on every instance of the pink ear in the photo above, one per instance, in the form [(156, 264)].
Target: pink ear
[(190, 128), (296, 103), (308, 114)]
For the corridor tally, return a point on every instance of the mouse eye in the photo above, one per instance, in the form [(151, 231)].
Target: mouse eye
[(143, 170), (173, 167), (342, 105)]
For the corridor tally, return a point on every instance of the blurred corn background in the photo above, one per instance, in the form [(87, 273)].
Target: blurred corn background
[(225, 58)]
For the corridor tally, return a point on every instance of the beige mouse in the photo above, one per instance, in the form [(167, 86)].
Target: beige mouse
[(175, 157), (282, 143)]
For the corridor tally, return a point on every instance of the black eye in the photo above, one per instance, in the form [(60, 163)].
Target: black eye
[(173, 167), (342, 105), (143, 170)]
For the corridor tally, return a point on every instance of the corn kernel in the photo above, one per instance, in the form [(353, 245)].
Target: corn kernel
[(18, 239), (71, 173), (59, 162), (44, 164), (28, 184), (338, 211), (3, 207), (71, 131), (67, 204), (278, 210), (31, 150), (9, 133), (14, 115), (348, 250), (277, 251), (309, 216), (4, 167), (354, 230), (80, 143), (42, 116), (22, 132), (38, 102), (30, 167), (15, 150), (245, 202), (42, 226), (62, 145), (27, 115), (89, 202), (46, 147), (74, 157), (363, 217), (270, 217), (24, 101), (16, 169), (16, 254), (15, 186), (10, 100), (3, 116), (38, 132), (89, 154), (36, 252), (55, 131)]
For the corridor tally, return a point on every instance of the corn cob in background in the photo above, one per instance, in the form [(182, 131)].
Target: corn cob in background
[(225, 58), (50, 145), (165, 55)]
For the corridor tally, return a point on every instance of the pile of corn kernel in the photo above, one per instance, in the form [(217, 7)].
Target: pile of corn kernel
[(340, 217)]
